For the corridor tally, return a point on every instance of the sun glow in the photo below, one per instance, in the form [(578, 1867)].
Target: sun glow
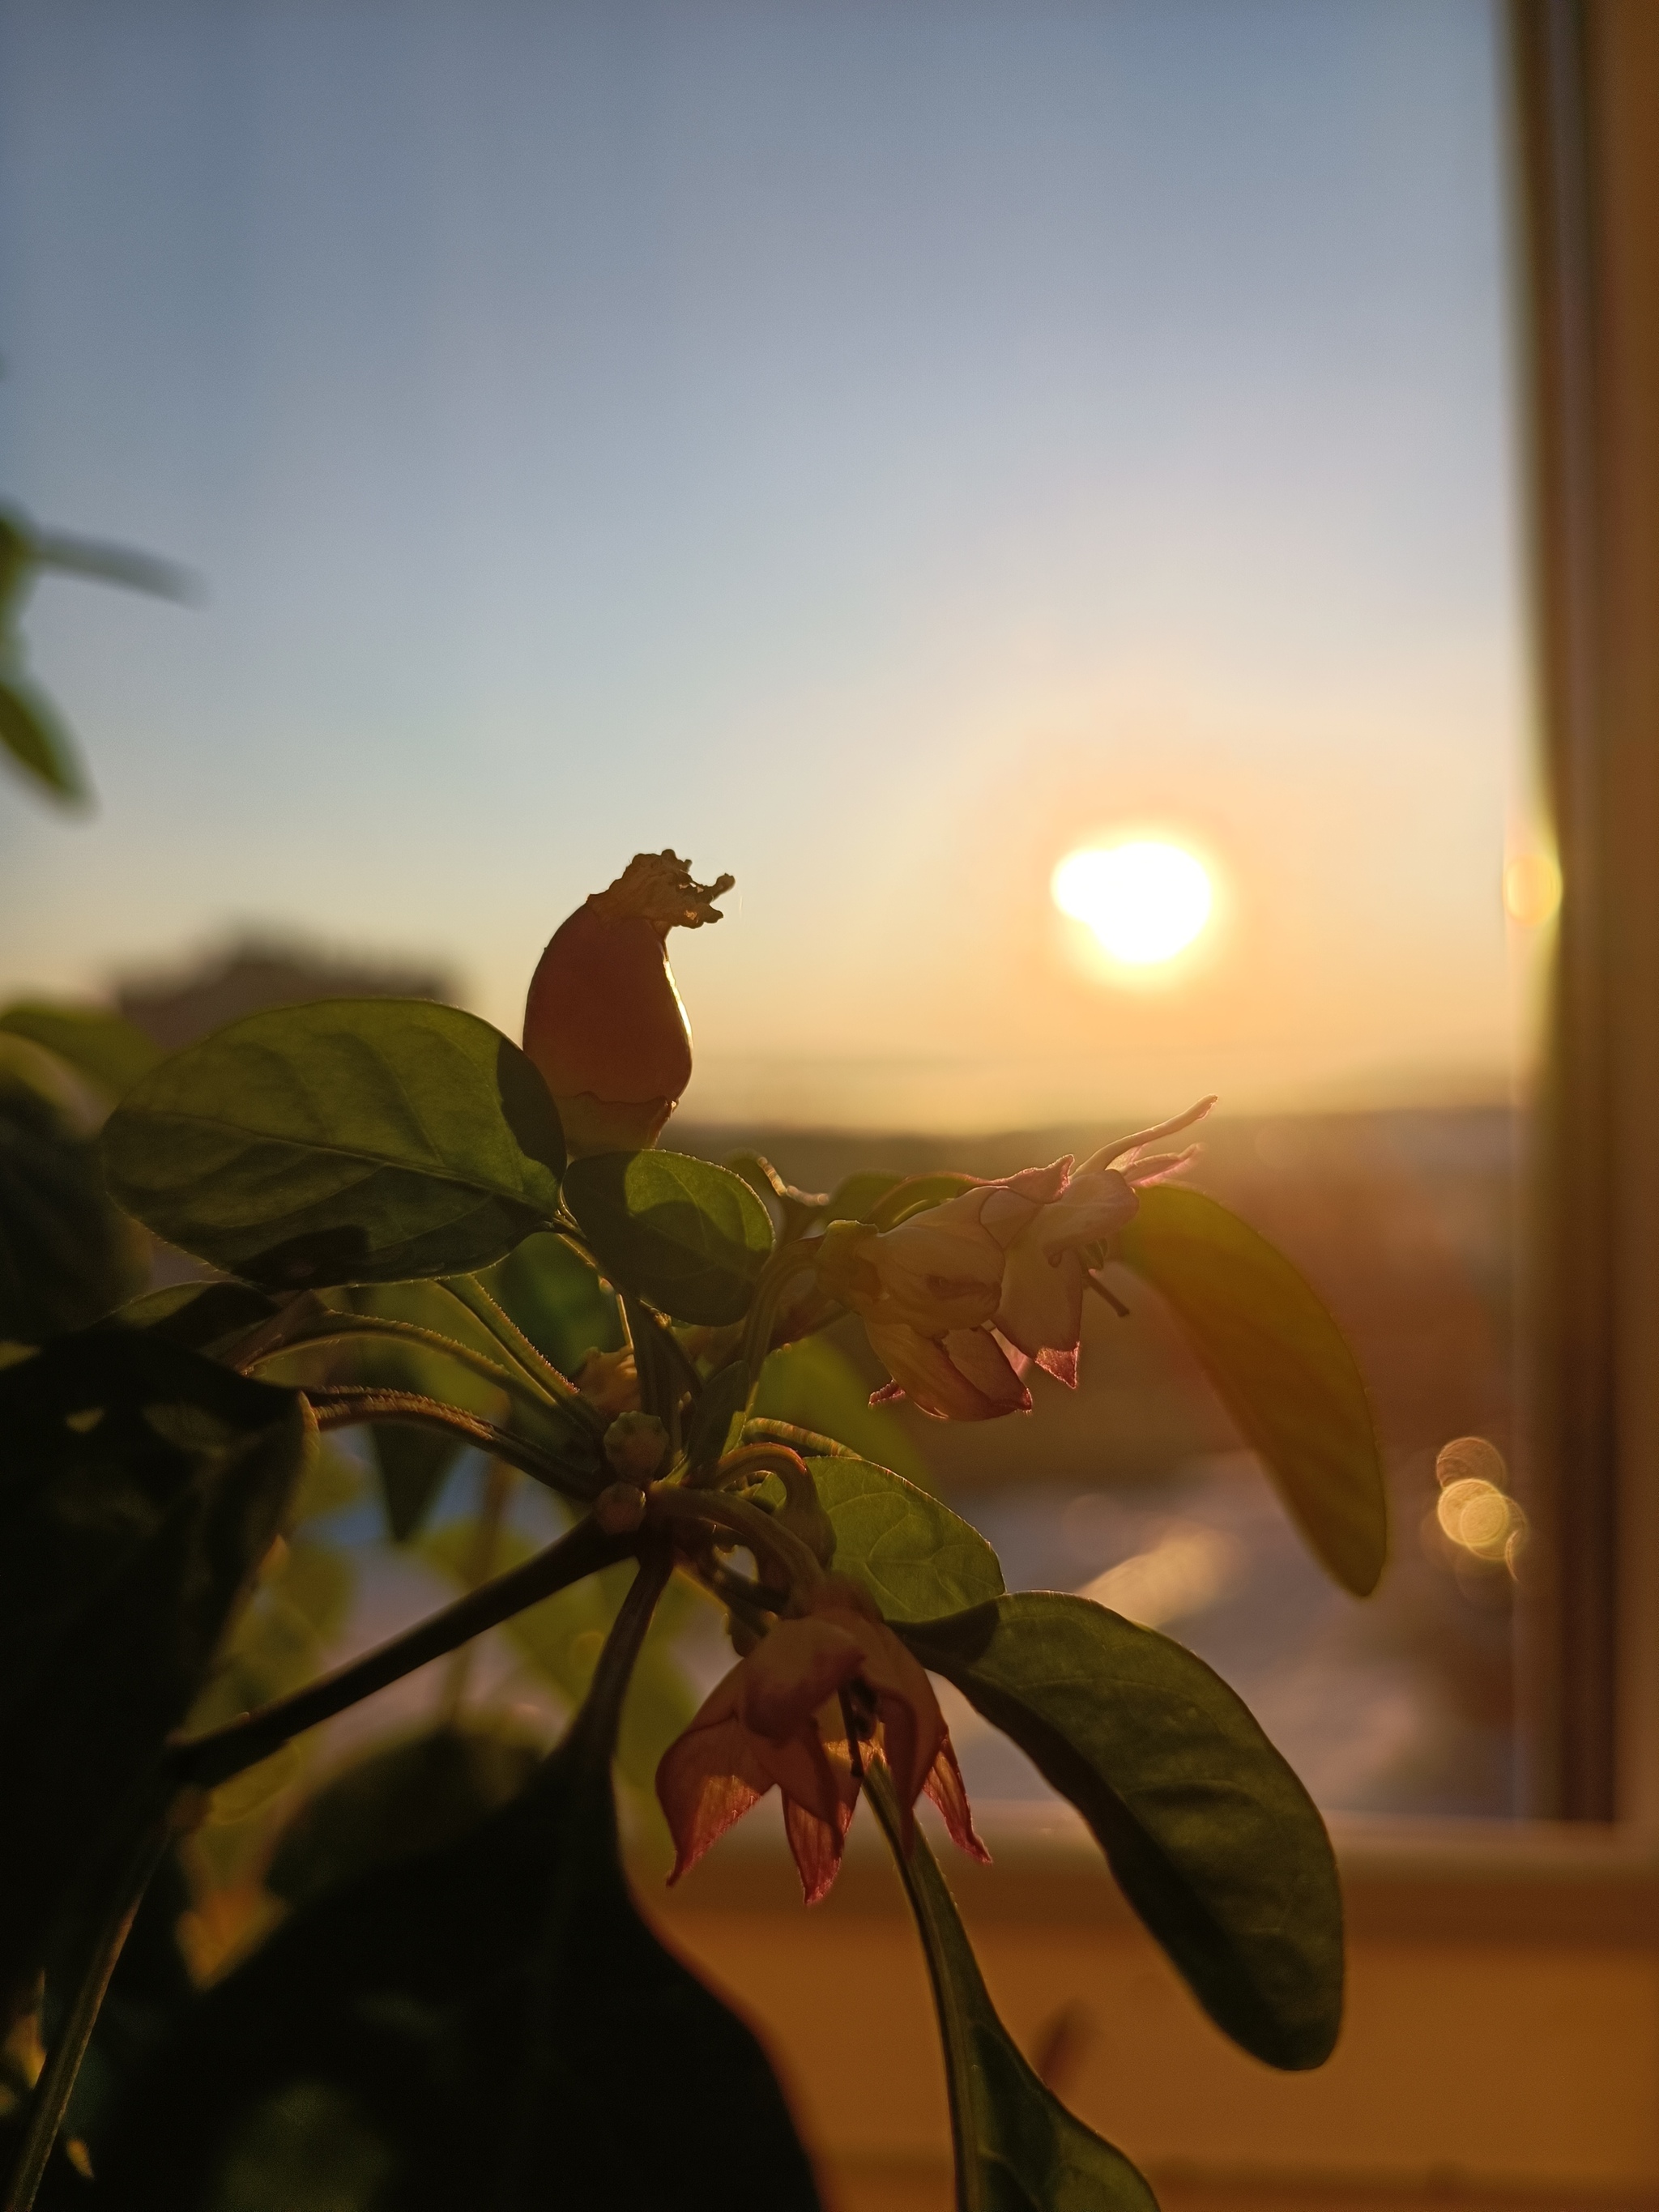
[(1144, 900)]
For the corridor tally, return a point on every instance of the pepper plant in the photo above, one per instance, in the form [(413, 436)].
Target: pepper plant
[(485, 2018)]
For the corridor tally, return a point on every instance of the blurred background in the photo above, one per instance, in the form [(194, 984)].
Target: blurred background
[(883, 452)]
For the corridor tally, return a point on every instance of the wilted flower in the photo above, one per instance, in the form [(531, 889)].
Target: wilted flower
[(962, 1299), (781, 1717), (603, 1022)]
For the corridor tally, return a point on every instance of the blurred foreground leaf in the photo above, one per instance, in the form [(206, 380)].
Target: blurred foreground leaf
[(1018, 2148), (1214, 1841), (489, 2022), (67, 1257), (37, 741), (99, 1045), (688, 1236), (354, 1140), (1279, 1365), (140, 1487), (916, 1557)]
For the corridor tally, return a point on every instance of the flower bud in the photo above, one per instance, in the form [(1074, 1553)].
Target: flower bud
[(603, 1022), (635, 1444), (609, 1381)]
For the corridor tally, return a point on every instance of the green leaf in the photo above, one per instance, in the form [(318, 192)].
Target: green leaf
[(200, 1316), (414, 1795), (812, 1384), (551, 1293), (96, 1044), (140, 1487), (356, 1140), (31, 732), (1216, 1843), (503, 2028), (1018, 2148), (1279, 1365), (857, 1197), (688, 1236), (914, 1194), (67, 1257), (916, 1557)]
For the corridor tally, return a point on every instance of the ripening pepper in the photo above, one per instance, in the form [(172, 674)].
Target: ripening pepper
[(603, 1022)]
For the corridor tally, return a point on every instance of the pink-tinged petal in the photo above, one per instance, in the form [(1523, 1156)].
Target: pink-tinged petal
[(1043, 1184), (817, 1847), (945, 1787), (924, 1370), (792, 1672), (1042, 1307), (707, 1779), (1120, 1146), (889, 1394), (1092, 1208), (1158, 1167), (977, 1356), (1061, 1364)]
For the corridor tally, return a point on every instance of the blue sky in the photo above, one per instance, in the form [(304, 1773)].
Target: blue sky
[(869, 447)]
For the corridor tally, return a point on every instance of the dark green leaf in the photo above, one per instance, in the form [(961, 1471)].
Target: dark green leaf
[(414, 1465), (416, 1795), (1018, 2148), (140, 1486), (1279, 1365), (96, 1044), (201, 1316), (66, 1255), (1216, 1843), (725, 1397), (354, 1141), (688, 1236), (914, 1194), (499, 2027), (36, 739), (857, 1197), (916, 1557)]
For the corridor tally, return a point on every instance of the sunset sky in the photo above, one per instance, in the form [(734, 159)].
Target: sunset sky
[(873, 448)]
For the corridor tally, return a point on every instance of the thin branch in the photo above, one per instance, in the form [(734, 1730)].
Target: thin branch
[(207, 1760), (343, 1405), (52, 2092), (470, 1294)]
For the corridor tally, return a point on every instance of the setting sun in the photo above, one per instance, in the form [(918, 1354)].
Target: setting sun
[(1145, 901)]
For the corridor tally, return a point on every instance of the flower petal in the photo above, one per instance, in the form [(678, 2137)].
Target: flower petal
[(945, 1786), (816, 1845), (1042, 1307), (791, 1673), (707, 1779)]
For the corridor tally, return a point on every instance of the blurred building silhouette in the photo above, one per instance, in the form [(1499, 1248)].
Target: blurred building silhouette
[(178, 1006)]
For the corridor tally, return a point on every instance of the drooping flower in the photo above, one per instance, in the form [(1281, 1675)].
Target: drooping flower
[(603, 1022), (781, 1718), (959, 1300)]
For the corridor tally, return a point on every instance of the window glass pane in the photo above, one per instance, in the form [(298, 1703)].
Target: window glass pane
[(882, 452)]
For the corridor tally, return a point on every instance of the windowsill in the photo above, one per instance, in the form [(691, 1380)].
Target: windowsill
[(1466, 1880)]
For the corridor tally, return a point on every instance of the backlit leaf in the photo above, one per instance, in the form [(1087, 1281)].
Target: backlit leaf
[(916, 1557), (354, 1141), (1279, 1365), (1018, 2148), (688, 1236), (1214, 1841)]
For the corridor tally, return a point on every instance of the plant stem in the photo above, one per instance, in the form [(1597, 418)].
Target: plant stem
[(468, 1293), (343, 1405), (207, 1760), (51, 2093), (331, 1327), (592, 1737), (668, 1505)]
